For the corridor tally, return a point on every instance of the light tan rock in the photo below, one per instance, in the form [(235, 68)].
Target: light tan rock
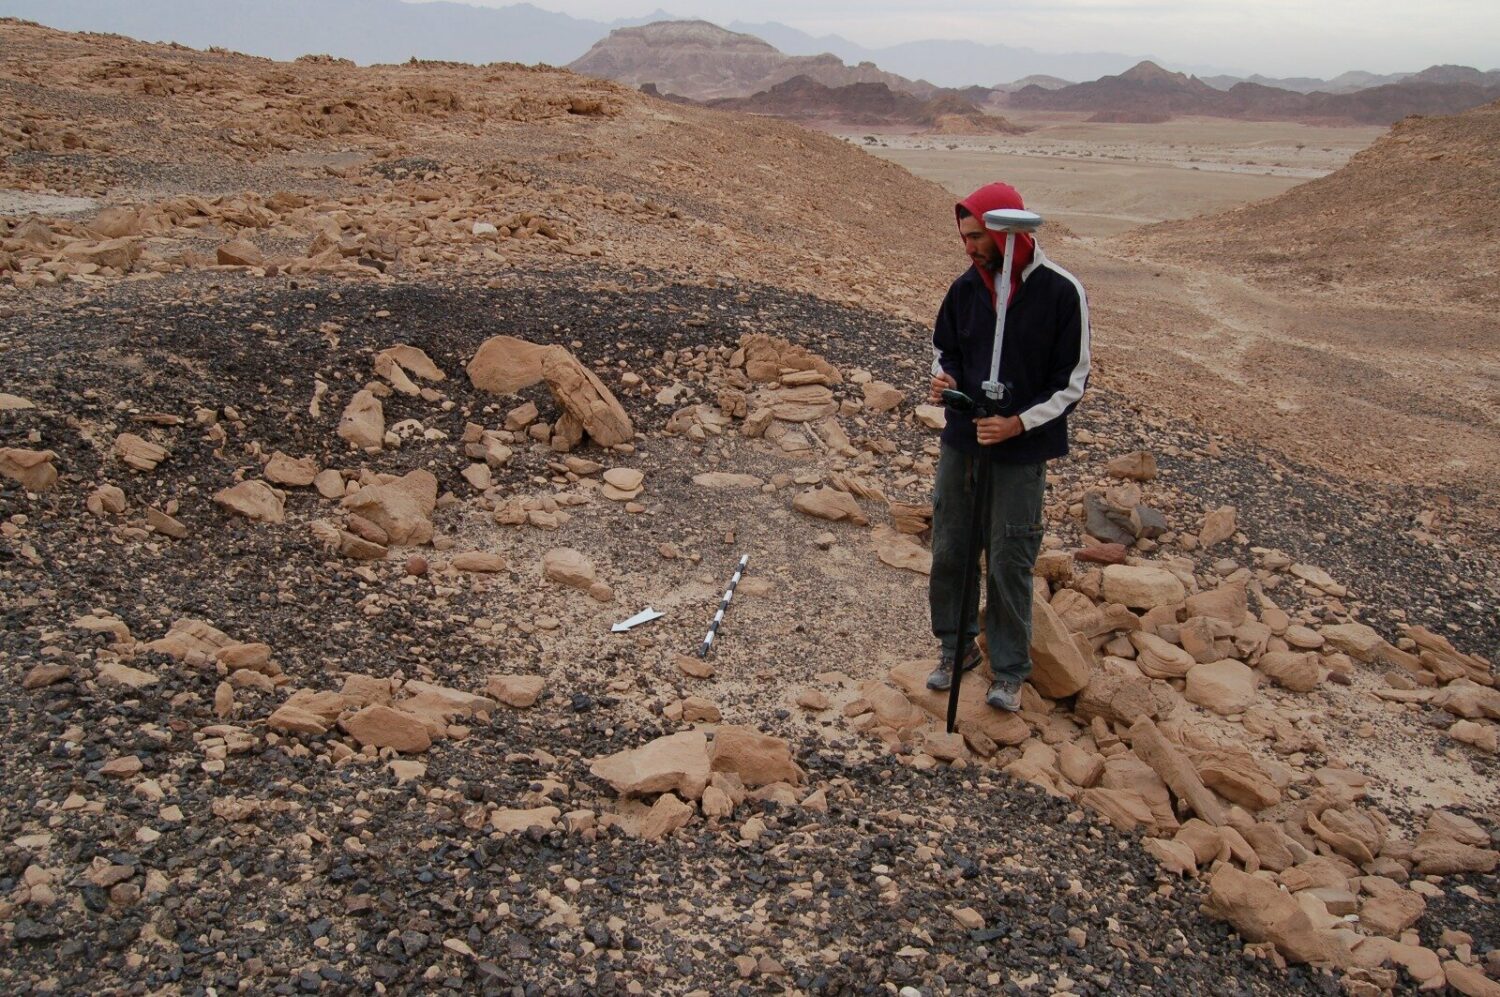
[(478, 562), (1142, 586), (518, 821), (830, 504), (1464, 698), (1228, 603), (1175, 770), (1158, 659), (1360, 642), (1262, 913), (239, 253), (677, 762), (1059, 668), (411, 359), (974, 714), (289, 719), (254, 500), (900, 551), (1226, 687), (1218, 526), (164, 524), (726, 480), (139, 453), (758, 759), (284, 470), (881, 396), (586, 398), (1485, 737), (387, 727), (400, 508), (932, 416), (504, 365), (1392, 912), (519, 691), (1297, 671), (1233, 773), (666, 815), (1137, 466), (106, 500), (570, 567), (362, 423), (1468, 980)]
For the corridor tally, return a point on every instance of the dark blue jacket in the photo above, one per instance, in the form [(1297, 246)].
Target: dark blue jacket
[(1045, 356)]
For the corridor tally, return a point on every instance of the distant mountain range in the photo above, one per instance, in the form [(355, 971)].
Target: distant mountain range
[(1148, 92), (369, 31)]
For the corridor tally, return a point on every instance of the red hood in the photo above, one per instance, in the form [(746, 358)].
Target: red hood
[(989, 198)]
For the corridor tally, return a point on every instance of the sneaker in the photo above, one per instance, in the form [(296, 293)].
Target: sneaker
[(942, 675), (1004, 694)]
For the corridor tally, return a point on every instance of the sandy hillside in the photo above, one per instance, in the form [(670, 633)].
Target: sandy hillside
[(345, 413)]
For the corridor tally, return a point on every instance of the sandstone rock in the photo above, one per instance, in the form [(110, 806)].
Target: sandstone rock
[(1319, 579), (1227, 603), (1469, 981), (118, 254), (880, 396), (1464, 698), (106, 500), (1217, 526), (1234, 774), (516, 821), (945, 747), (1226, 687), (974, 714), (1104, 553), (1392, 912), (239, 253), (121, 768), (1296, 671), (505, 364), (667, 814), (288, 719), (585, 398), (1160, 660), (284, 470), (693, 667), (1360, 642), (14, 403), (1142, 587), (386, 727), (412, 359), (1137, 466), (478, 562), (813, 699), (406, 770), (758, 759), (1175, 770), (1485, 737), (1124, 699), (570, 567), (254, 500), (678, 763), (899, 551), (519, 691), (1059, 669), (1121, 807), (138, 453), (362, 423), (830, 504), (766, 357), (1081, 766), (400, 508), (932, 416), (1262, 913), (1436, 853), (330, 484)]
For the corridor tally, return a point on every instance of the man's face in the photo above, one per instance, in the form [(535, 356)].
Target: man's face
[(979, 244)]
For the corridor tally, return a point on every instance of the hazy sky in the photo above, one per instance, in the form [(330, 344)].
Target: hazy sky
[(1281, 37)]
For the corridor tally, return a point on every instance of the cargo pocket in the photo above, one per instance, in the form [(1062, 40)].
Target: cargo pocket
[(1022, 543)]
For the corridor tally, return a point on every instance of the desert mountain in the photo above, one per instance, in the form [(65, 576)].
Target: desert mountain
[(1430, 182), (1149, 93), (703, 61), (867, 105)]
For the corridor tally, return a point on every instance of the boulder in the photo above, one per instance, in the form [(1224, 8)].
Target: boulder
[(583, 396), (1261, 912), (1233, 773), (239, 253), (139, 453), (1464, 698), (254, 500), (880, 396), (1227, 602), (1360, 642), (1297, 671), (362, 423), (677, 763), (504, 365), (758, 759), (1142, 586), (1125, 699), (830, 504), (1226, 687), (666, 815), (516, 821), (570, 567), (387, 727), (284, 470), (1059, 668), (411, 359), (1158, 659), (900, 551), (519, 691), (401, 508), (1137, 466), (31, 468), (1217, 526), (478, 562), (1392, 912)]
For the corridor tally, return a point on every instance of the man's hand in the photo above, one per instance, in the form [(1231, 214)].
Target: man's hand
[(997, 428), (940, 382)]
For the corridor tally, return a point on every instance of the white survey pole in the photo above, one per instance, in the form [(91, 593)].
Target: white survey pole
[(1010, 221)]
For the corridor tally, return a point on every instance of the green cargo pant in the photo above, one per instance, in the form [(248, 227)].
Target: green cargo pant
[(1010, 533)]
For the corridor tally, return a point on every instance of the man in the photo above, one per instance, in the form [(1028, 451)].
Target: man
[(1044, 357)]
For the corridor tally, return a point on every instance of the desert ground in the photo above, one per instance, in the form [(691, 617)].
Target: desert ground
[(346, 411)]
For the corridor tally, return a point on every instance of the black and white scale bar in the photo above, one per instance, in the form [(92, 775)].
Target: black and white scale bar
[(713, 628)]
